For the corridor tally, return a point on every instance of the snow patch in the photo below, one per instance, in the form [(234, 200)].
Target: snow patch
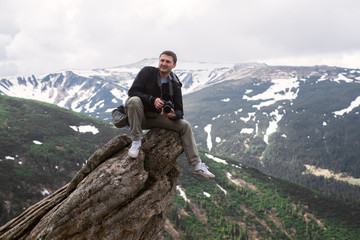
[(208, 139), (353, 104), (272, 125), (206, 194), (122, 95), (236, 166), (225, 100), (45, 192), (341, 77), (37, 142), (323, 78), (280, 90), (85, 129), (216, 159), (222, 189), (228, 175), (264, 104), (182, 193), (218, 116), (251, 115), (89, 109), (247, 130)]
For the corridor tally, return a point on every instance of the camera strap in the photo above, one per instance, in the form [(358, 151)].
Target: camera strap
[(171, 90)]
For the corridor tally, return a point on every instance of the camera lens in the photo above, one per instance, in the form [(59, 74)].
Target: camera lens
[(167, 109)]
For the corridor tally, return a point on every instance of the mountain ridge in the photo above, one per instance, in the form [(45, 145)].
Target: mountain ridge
[(280, 119), (89, 91)]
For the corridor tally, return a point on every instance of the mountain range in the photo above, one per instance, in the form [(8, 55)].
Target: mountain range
[(43, 146), (96, 92), (300, 123)]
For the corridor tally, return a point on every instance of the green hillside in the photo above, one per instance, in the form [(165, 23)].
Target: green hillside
[(40, 152), (244, 203), (308, 135)]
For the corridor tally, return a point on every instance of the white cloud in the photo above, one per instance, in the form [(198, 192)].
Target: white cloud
[(349, 59), (42, 36), (5, 39)]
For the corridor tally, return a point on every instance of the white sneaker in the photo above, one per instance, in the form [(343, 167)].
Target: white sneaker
[(202, 169), (134, 150)]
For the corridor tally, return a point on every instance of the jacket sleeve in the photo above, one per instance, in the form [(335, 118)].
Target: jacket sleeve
[(138, 88)]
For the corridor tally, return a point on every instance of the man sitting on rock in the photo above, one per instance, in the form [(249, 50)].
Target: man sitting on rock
[(155, 101)]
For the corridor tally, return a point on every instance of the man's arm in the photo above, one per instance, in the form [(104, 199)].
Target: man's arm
[(138, 88)]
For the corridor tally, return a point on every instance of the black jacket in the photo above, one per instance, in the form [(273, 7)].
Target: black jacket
[(146, 86)]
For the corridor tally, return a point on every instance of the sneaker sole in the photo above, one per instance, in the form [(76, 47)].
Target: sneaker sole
[(203, 175), (133, 156)]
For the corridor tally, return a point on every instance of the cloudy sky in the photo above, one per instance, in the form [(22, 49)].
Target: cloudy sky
[(42, 36)]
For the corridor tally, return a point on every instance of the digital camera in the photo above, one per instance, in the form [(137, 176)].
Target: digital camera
[(168, 105)]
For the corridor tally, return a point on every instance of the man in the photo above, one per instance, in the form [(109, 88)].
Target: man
[(153, 90)]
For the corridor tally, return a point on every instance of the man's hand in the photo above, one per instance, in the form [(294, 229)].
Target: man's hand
[(169, 115), (158, 104)]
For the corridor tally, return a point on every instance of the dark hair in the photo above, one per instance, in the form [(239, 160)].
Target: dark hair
[(171, 54)]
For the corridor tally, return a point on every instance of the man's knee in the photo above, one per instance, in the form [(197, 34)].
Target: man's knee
[(185, 126), (133, 101)]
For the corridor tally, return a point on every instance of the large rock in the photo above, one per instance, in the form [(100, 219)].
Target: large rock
[(112, 197)]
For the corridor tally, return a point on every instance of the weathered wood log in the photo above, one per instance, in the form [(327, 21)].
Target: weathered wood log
[(111, 197)]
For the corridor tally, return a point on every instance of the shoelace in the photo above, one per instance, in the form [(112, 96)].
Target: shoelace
[(204, 166), (136, 145)]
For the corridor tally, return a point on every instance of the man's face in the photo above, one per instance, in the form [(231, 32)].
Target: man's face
[(166, 63)]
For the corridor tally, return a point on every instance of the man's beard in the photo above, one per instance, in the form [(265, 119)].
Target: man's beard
[(162, 72)]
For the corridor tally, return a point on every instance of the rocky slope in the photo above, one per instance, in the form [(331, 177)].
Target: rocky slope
[(111, 197)]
